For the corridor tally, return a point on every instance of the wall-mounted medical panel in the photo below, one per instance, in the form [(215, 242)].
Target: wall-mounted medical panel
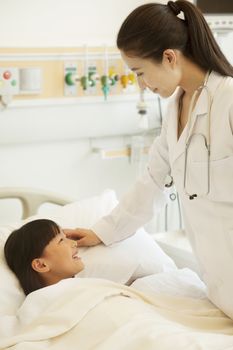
[(65, 73)]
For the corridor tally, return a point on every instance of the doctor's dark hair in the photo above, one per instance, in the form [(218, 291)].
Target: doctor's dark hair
[(25, 244), (152, 28)]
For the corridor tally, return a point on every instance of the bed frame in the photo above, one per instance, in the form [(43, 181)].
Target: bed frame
[(32, 198)]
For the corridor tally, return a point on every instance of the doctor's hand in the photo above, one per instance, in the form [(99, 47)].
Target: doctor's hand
[(84, 237)]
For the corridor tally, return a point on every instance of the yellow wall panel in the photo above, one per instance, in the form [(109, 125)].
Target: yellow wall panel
[(51, 62)]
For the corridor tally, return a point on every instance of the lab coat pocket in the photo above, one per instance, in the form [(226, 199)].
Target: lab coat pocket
[(215, 183), (221, 180)]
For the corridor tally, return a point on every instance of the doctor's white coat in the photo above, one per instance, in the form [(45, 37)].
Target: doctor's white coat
[(208, 218)]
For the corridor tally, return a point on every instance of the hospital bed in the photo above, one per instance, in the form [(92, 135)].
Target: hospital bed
[(165, 306)]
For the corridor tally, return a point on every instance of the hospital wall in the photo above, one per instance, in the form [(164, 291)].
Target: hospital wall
[(53, 145)]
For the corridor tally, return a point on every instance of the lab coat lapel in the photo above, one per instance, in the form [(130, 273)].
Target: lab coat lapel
[(172, 124), (177, 147)]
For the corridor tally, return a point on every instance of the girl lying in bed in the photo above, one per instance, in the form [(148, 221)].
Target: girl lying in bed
[(40, 254)]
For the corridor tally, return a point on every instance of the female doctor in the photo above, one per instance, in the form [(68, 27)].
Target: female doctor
[(173, 52)]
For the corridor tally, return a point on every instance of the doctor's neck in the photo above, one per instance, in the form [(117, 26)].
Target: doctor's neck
[(192, 76)]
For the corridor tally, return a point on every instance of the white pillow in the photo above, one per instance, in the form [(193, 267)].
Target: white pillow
[(127, 260), (85, 212), (122, 262), (11, 294)]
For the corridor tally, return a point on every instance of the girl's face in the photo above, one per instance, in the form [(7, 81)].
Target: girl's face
[(60, 258), (161, 78)]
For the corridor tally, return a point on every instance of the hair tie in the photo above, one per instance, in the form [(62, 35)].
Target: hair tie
[(174, 7), (176, 10)]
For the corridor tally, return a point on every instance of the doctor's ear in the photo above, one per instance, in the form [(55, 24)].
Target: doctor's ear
[(39, 265), (170, 56)]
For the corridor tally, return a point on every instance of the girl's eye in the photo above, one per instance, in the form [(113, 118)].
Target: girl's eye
[(139, 74), (61, 240)]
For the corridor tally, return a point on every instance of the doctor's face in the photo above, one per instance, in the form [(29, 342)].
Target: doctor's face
[(161, 78)]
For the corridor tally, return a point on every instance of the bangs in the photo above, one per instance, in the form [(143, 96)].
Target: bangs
[(42, 232)]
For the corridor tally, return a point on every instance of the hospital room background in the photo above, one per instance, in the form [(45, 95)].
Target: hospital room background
[(72, 119)]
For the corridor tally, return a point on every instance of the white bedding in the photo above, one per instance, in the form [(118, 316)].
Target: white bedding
[(180, 282), (96, 314), (169, 310)]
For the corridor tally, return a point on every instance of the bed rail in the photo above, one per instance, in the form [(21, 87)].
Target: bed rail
[(32, 198)]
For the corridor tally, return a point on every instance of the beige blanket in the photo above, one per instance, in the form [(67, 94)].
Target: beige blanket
[(84, 314)]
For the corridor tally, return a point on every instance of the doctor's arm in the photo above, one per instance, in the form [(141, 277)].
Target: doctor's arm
[(137, 206)]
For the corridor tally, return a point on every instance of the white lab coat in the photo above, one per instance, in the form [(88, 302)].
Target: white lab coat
[(208, 219)]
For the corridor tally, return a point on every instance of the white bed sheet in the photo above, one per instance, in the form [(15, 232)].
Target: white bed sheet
[(98, 314)]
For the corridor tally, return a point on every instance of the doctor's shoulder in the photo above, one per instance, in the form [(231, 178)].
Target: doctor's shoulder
[(223, 96), (227, 99), (227, 85)]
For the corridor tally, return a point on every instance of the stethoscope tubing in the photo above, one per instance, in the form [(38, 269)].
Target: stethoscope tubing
[(191, 135)]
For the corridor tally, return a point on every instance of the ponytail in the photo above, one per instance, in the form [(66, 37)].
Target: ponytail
[(152, 28), (202, 47)]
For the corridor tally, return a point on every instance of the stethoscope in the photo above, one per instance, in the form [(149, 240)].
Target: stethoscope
[(206, 139), (190, 137)]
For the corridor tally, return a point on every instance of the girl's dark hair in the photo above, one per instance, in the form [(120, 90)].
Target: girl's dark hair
[(25, 244), (152, 28)]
